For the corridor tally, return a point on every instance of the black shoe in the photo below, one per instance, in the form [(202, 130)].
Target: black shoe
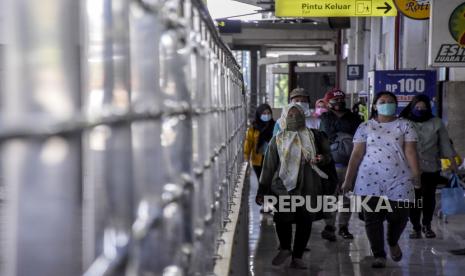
[(429, 233), (329, 233), (344, 232), (281, 257), (298, 264), (379, 263), (396, 253), (415, 235)]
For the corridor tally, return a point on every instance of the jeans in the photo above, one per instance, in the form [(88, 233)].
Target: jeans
[(374, 225), (302, 234), (425, 200)]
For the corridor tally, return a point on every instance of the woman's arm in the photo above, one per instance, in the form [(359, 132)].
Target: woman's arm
[(410, 150), (355, 159), (446, 148)]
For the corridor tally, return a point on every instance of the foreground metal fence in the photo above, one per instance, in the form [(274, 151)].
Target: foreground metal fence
[(122, 129)]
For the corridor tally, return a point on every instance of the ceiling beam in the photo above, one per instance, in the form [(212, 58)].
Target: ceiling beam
[(253, 35), (296, 58), (321, 69)]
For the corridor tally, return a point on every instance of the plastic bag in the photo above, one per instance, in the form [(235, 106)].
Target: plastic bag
[(452, 198)]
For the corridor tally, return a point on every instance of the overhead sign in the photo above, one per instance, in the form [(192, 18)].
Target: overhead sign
[(414, 9), (334, 8), (229, 26), (447, 33), (355, 72), (406, 84)]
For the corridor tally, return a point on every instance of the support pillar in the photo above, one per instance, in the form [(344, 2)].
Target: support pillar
[(414, 52), (375, 43), (338, 52), (454, 113), (262, 96), (360, 53), (292, 77), (352, 55), (253, 84)]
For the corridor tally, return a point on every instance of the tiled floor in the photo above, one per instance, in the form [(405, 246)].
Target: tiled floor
[(352, 258)]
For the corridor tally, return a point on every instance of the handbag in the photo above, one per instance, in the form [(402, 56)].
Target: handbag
[(452, 197)]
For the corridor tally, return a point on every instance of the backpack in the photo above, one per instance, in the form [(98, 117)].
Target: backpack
[(341, 148)]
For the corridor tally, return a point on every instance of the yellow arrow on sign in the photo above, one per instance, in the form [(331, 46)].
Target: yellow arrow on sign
[(334, 8)]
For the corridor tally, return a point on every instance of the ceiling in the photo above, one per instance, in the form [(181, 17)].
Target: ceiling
[(315, 34), (266, 5), (260, 3)]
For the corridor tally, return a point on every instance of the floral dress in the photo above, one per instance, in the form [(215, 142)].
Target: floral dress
[(384, 170)]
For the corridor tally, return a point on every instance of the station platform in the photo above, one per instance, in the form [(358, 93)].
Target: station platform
[(353, 257), (127, 128)]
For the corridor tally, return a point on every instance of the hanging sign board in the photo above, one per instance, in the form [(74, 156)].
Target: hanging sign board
[(414, 9), (447, 33), (229, 26), (334, 8)]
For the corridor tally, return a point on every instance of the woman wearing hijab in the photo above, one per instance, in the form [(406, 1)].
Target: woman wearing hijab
[(258, 136), (320, 108), (291, 169), (384, 165), (433, 144)]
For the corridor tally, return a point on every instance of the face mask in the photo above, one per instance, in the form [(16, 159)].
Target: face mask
[(338, 106), (296, 123), (304, 105), (265, 117), (420, 113), (320, 110), (387, 109)]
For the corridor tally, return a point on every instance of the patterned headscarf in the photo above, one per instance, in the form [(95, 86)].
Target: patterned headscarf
[(293, 147)]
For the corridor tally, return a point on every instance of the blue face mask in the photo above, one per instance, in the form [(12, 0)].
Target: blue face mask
[(387, 109), (265, 117)]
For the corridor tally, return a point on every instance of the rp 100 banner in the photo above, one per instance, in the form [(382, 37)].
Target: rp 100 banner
[(406, 84)]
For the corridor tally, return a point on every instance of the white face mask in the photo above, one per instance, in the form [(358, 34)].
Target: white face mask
[(265, 117), (306, 107)]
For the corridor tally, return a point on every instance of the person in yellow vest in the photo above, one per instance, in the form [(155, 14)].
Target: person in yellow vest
[(360, 109), (258, 136), (363, 112)]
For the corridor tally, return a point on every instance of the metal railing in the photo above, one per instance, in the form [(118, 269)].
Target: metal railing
[(122, 130)]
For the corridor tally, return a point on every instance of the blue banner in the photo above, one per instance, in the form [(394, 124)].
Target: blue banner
[(406, 84)]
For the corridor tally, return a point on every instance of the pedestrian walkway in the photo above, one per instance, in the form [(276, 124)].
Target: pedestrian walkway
[(352, 258)]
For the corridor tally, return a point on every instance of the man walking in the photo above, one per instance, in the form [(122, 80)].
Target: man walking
[(340, 125)]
